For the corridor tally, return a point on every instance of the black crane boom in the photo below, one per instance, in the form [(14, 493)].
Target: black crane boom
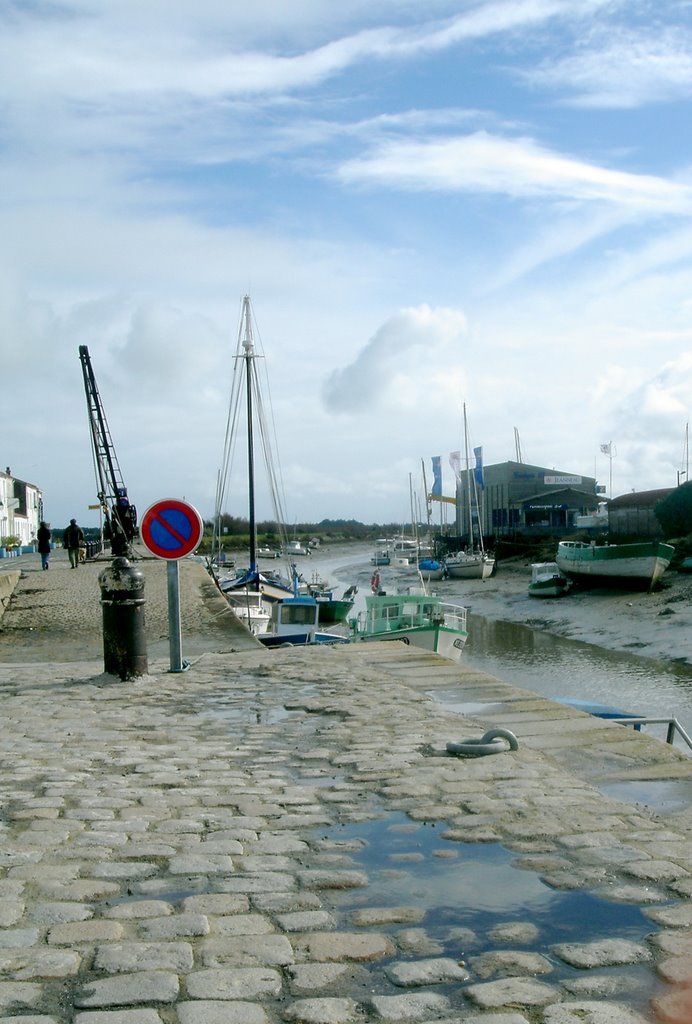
[(120, 515)]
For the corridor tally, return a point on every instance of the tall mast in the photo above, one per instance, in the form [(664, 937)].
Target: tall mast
[(249, 355), (468, 478)]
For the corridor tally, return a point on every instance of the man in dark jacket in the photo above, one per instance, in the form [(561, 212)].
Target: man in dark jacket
[(72, 539), (43, 538)]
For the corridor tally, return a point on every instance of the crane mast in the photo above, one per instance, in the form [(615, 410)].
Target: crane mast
[(119, 514)]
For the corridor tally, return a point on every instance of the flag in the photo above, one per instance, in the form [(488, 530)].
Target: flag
[(437, 476), (605, 448), (455, 463), (478, 470)]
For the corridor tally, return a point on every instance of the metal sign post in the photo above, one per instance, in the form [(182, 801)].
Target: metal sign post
[(172, 529)]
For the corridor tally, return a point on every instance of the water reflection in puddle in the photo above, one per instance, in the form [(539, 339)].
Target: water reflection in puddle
[(665, 795), (248, 715), (465, 891)]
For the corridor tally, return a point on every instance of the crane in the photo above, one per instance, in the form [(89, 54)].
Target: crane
[(119, 514)]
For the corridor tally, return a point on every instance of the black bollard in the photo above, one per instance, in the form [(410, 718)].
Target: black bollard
[(122, 601)]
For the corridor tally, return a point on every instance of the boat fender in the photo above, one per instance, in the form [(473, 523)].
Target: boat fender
[(493, 742)]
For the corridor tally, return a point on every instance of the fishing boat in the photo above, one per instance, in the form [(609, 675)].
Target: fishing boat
[(412, 617), (246, 384), (331, 609), (474, 563), (295, 622), (548, 581), (380, 556), (636, 566)]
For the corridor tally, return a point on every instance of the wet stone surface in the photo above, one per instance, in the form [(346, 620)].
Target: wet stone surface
[(163, 863)]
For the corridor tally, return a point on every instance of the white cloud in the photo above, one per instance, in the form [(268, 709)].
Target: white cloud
[(624, 69), (402, 364), (514, 167)]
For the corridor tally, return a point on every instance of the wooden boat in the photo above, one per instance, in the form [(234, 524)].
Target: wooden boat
[(548, 581), (630, 565), (415, 618)]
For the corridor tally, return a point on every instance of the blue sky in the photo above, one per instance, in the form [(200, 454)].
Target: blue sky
[(430, 204)]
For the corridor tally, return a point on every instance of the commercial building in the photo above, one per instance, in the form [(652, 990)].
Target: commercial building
[(515, 499)]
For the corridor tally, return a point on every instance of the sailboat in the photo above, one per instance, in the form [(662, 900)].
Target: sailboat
[(238, 588), (474, 563)]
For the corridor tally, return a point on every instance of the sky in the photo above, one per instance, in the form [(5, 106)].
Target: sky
[(459, 202)]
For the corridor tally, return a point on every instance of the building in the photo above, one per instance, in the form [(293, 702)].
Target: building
[(21, 508), (632, 515), (517, 499)]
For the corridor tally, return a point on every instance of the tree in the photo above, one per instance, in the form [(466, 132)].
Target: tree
[(674, 513)]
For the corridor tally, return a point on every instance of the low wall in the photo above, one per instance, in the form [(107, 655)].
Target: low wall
[(8, 581)]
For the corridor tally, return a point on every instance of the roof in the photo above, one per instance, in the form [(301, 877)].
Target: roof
[(640, 499)]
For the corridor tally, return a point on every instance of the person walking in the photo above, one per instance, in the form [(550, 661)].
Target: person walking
[(43, 536), (73, 538)]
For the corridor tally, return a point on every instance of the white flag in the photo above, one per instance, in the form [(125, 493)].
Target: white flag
[(605, 448), (455, 463)]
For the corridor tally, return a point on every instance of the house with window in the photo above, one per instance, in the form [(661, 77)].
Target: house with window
[(21, 508)]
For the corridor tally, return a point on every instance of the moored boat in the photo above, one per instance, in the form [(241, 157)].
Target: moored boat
[(548, 581), (414, 617), (432, 569), (631, 565), (470, 565), (295, 621)]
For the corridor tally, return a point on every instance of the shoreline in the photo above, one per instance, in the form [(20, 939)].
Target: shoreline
[(654, 625)]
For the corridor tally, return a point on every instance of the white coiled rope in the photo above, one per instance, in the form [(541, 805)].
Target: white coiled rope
[(495, 741)]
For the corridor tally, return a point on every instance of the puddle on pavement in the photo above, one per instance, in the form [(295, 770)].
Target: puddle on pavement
[(249, 715), (466, 890), (658, 795), (462, 707)]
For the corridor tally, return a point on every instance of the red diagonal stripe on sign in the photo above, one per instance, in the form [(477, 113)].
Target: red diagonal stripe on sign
[(171, 529)]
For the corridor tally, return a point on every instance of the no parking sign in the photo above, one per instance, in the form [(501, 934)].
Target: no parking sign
[(172, 529)]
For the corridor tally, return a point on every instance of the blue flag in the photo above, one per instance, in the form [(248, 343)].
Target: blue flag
[(478, 470), (436, 491)]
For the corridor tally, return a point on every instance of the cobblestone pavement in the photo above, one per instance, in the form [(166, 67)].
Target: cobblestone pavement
[(281, 836)]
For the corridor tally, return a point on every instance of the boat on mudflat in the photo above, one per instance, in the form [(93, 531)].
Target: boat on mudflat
[(415, 618), (636, 566), (548, 581)]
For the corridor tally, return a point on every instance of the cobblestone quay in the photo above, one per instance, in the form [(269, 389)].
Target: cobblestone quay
[(282, 836)]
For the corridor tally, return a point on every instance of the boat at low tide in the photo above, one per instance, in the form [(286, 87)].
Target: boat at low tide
[(415, 618), (636, 566), (548, 581), (295, 622)]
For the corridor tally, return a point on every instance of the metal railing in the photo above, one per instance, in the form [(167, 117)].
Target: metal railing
[(674, 727)]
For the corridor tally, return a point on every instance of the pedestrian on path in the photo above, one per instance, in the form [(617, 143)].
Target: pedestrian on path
[(73, 539), (43, 536)]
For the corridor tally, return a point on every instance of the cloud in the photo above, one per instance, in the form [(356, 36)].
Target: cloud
[(399, 364), (628, 69), (518, 168)]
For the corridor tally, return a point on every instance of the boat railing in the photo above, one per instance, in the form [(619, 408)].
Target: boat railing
[(674, 728)]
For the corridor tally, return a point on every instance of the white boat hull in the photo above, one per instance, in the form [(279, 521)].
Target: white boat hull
[(447, 643), (471, 568)]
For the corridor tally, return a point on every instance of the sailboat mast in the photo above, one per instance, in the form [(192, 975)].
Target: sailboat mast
[(468, 478), (249, 354)]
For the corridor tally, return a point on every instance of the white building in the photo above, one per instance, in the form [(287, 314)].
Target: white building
[(21, 508)]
